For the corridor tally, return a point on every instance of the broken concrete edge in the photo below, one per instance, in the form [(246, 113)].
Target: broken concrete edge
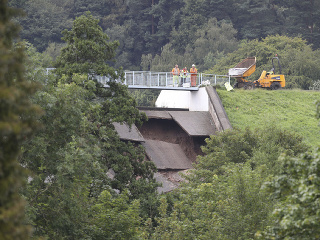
[(166, 156), (143, 109), (206, 127), (129, 133), (201, 119)]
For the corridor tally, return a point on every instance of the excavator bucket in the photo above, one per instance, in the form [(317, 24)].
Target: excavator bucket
[(244, 68)]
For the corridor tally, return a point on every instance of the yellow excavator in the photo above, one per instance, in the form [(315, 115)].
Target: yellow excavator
[(268, 80)]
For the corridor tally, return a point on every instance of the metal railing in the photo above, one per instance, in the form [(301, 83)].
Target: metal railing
[(214, 79), (146, 79), (162, 80)]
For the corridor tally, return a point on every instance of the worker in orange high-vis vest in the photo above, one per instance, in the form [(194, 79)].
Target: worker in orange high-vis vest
[(193, 73), (176, 73)]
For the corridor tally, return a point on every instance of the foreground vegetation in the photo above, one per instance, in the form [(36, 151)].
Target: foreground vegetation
[(293, 110)]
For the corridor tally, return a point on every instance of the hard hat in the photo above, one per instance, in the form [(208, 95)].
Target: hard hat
[(193, 65)]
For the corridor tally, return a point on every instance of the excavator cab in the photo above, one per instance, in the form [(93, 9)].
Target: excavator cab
[(270, 79), (271, 71)]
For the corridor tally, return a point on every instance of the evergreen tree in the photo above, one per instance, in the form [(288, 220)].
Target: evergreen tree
[(256, 19), (302, 18), (44, 22), (16, 124)]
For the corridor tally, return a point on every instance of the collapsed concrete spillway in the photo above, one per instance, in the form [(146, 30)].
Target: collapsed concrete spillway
[(176, 130)]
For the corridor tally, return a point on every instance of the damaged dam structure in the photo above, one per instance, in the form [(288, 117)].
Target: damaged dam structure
[(176, 129)]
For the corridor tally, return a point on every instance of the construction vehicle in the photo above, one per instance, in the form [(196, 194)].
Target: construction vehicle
[(268, 80)]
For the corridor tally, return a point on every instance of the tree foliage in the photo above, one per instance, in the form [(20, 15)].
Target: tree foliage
[(223, 198), (87, 50), (17, 121), (260, 147), (297, 189), (44, 22), (231, 206), (71, 160), (115, 218), (215, 39), (81, 171)]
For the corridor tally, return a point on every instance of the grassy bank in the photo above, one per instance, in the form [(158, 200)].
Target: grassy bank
[(294, 110)]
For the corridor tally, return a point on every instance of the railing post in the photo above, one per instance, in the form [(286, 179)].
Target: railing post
[(125, 78), (215, 80), (158, 79), (150, 79), (166, 79), (142, 79), (133, 78)]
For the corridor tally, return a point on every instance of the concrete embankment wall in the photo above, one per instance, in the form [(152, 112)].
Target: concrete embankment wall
[(217, 110)]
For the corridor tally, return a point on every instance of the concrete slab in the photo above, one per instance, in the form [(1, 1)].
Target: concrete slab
[(166, 155), (127, 133), (195, 123)]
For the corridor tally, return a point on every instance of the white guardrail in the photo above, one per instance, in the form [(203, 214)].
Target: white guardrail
[(147, 79)]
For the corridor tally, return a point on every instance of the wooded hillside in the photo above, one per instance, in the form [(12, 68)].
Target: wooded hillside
[(200, 30)]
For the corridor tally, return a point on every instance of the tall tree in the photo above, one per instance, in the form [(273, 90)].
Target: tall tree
[(80, 166), (16, 124), (87, 50)]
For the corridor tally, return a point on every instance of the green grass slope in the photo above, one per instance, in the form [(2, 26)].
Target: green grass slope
[(293, 110)]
